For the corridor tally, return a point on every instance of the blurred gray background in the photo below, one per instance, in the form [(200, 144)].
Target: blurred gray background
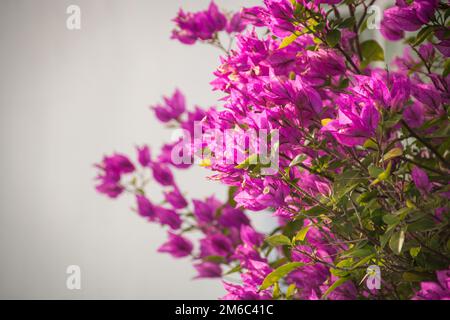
[(67, 98)]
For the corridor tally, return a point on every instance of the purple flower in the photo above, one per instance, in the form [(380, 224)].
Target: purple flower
[(244, 292), (112, 168), (162, 174), (169, 217), (390, 31), (405, 17), (177, 246), (327, 1), (354, 127), (427, 94), (236, 23), (439, 290), (426, 51), (233, 218), (425, 9), (202, 25), (192, 117), (118, 163), (326, 62), (444, 47), (414, 115), (256, 16), (110, 187), (176, 199), (440, 212), (346, 291), (281, 14), (421, 180), (205, 211), (172, 109), (402, 18), (145, 208), (166, 155), (144, 156), (259, 194), (250, 237), (208, 270), (216, 245)]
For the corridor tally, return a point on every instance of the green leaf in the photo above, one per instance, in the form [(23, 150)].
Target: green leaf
[(359, 253), (403, 212), (396, 241), (370, 144), (363, 26), (333, 38), (276, 291), (371, 51), (346, 182), (364, 261), (390, 219), (333, 287), (288, 40), (341, 266), (278, 240), (374, 171), (384, 239), (423, 35), (424, 224), (316, 211), (414, 252), (446, 71), (279, 273), (216, 259), (386, 173), (393, 153), (253, 159), (298, 159), (347, 23), (233, 270), (392, 121), (415, 276), (366, 197), (300, 236), (231, 192), (290, 291)]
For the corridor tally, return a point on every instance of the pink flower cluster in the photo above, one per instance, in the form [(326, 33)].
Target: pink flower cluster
[(363, 161), (204, 25)]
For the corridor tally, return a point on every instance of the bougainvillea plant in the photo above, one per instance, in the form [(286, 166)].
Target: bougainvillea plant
[(360, 180)]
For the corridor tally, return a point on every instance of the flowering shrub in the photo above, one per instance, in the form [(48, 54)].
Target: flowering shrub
[(359, 155)]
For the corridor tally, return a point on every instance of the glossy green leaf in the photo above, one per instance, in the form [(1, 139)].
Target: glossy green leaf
[(393, 153), (278, 240), (347, 23), (414, 252), (253, 159), (415, 276), (390, 219), (333, 287), (371, 51), (290, 291), (333, 37), (279, 273), (297, 160), (288, 40), (397, 240), (300, 236)]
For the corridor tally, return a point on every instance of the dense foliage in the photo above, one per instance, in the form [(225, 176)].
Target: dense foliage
[(362, 177)]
